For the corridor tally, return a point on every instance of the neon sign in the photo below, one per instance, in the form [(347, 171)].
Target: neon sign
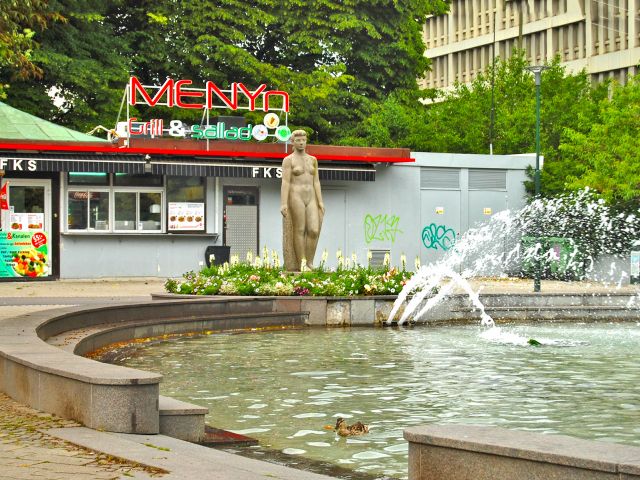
[(180, 93), (216, 131)]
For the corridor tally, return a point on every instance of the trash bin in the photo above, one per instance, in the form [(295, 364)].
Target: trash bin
[(216, 254), (559, 258)]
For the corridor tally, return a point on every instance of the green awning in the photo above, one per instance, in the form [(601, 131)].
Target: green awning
[(18, 125)]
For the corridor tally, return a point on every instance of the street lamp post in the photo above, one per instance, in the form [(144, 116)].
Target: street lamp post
[(537, 71)]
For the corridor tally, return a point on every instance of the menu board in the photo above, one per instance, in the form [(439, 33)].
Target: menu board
[(186, 216), (24, 254), (26, 222)]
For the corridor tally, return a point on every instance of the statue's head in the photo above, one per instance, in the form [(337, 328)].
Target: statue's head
[(299, 139)]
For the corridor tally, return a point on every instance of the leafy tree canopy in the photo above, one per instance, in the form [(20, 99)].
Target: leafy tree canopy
[(19, 20), (84, 68), (605, 154), (335, 58), (460, 120)]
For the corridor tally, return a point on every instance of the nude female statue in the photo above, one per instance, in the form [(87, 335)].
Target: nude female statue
[(301, 204)]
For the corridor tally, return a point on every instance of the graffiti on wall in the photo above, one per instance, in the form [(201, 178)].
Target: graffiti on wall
[(381, 227), (434, 236)]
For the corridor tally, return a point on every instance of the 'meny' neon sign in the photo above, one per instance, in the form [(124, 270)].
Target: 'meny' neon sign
[(180, 93)]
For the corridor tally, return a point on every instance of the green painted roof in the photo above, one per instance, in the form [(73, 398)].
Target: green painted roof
[(18, 125)]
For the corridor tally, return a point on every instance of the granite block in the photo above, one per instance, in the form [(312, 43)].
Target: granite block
[(20, 382), (338, 313), (127, 409), (317, 308), (383, 309), (363, 312), (66, 397)]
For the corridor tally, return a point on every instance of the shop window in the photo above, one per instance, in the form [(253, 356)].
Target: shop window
[(185, 204), (88, 210), (138, 211), (125, 203), (185, 189), (150, 209), (124, 209)]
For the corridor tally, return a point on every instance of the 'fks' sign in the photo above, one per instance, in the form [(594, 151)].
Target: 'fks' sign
[(18, 164), (266, 172)]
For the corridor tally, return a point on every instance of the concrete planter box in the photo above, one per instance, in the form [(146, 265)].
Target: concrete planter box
[(465, 452)]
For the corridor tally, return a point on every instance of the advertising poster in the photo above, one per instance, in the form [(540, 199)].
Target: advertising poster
[(24, 254), (27, 221), (186, 216)]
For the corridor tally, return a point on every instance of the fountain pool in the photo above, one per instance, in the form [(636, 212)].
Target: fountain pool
[(284, 388)]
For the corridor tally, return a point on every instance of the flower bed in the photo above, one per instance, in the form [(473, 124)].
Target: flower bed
[(264, 277)]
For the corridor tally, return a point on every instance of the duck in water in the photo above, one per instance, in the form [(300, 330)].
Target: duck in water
[(345, 430)]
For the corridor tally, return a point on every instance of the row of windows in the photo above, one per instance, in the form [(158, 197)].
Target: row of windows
[(107, 202)]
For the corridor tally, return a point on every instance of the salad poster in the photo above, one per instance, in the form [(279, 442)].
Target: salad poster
[(24, 254)]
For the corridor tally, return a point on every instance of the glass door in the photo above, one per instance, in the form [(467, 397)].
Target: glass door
[(25, 231)]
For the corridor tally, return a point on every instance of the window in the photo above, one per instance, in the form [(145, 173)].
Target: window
[(125, 208), (88, 210), (186, 202), (126, 203), (185, 189)]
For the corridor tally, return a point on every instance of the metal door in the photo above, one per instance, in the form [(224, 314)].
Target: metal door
[(241, 220)]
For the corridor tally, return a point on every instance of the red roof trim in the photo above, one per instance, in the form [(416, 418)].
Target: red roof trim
[(101, 148)]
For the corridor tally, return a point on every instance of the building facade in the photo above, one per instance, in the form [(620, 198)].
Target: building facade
[(601, 36), (75, 207), (93, 215)]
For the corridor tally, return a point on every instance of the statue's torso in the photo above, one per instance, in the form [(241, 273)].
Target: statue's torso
[(303, 169)]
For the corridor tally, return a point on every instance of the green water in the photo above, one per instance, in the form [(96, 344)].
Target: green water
[(284, 387)]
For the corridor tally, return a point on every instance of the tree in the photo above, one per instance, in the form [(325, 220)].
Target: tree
[(605, 156), (335, 58), (84, 68), (459, 121), (18, 21)]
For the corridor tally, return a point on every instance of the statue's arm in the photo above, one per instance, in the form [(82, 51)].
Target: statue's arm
[(316, 185), (286, 186)]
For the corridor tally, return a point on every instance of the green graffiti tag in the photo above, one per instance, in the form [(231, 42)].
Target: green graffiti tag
[(381, 227), (438, 235)]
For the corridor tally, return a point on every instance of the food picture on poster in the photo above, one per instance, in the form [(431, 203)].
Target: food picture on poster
[(23, 254), (185, 216), (26, 222)]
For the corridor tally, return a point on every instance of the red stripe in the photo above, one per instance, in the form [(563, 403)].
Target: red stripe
[(200, 153)]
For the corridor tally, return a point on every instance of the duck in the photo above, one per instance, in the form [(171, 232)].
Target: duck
[(345, 430)]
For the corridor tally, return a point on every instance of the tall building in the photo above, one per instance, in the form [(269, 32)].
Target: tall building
[(601, 36)]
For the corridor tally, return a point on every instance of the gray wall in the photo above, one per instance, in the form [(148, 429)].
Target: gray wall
[(388, 214), (104, 256)]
